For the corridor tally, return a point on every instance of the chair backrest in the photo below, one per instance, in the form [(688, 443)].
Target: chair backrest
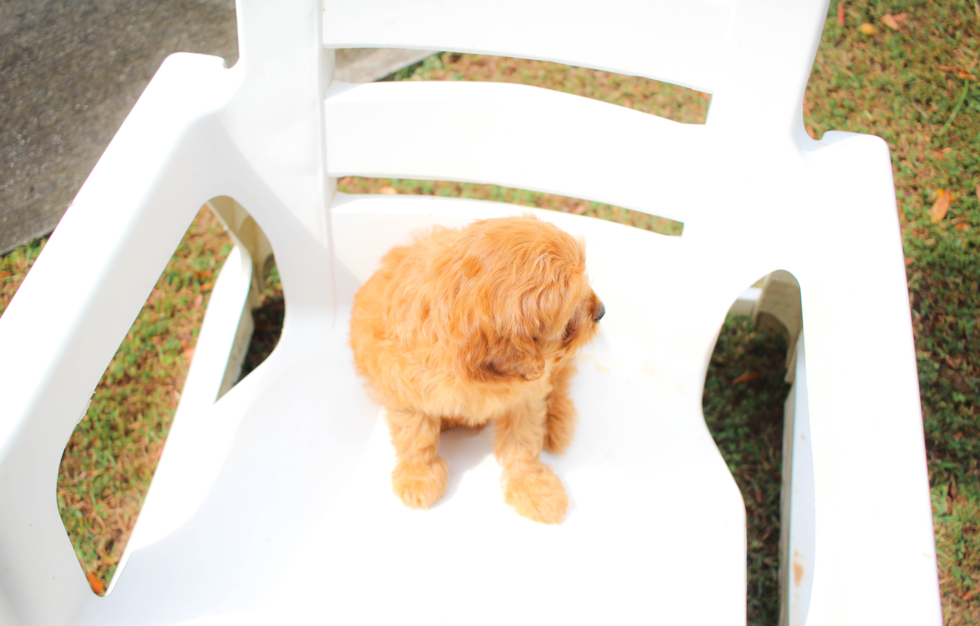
[(754, 56), (676, 42)]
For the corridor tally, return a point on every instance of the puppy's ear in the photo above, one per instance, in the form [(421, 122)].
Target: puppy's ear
[(487, 357)]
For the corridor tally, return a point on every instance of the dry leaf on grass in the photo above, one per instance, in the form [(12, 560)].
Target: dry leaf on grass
[(580, 209), (958, 72), (97, 585), (867, 29), (895, 22), (962, 226), (747, 377), (196, 304), (941, 207), (390, 191), (840, 13)]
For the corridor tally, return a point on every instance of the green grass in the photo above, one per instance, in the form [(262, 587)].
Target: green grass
[(888, 84), (746, 421), (14, 267)]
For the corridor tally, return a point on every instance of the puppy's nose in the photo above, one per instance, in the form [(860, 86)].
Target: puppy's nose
[(600, 313)]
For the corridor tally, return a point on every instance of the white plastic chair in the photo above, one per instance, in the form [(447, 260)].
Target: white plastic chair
[(273, 505)]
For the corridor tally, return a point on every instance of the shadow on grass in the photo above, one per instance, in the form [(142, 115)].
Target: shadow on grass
[(268, 319)]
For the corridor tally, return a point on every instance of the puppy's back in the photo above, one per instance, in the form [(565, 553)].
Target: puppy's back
[(388, 308)]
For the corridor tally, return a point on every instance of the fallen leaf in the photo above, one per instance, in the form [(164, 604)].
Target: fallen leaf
[(189, 354), (957, 71), (909, 261), (207, 287), (941, 207), (390, 191), (581, 208), (962, 226), (196, 304), (969, 594), (747, 377), (8, 274), (895, 22), (950, 362), (97, 585), (978, 192), (867, 29), (840, 13)]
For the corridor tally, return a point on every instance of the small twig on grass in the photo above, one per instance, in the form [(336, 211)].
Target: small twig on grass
[(959, 104), (925, 116)]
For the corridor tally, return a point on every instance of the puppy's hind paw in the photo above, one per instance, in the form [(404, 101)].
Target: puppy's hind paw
[(536, 493), (420, 485)]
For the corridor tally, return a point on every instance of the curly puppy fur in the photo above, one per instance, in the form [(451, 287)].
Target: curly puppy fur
[(466, 327)]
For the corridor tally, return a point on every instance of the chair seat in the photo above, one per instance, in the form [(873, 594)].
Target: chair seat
[(277, 502)]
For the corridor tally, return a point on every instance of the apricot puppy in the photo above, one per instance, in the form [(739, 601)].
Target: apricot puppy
[(466, 327)]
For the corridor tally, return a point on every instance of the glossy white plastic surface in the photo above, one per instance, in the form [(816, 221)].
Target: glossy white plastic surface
[(274, 505), (624, 36)]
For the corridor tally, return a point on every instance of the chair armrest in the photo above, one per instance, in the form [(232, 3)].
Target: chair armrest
[(874, 559), (76, 305)]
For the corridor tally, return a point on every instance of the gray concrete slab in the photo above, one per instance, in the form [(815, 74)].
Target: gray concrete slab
[(70, 71), (365, 65)]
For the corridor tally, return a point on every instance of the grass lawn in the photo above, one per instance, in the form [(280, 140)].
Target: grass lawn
[(911, 80)]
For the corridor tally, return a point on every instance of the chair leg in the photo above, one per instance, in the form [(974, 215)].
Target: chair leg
[(779, 309), (246, 233), (797, 512)]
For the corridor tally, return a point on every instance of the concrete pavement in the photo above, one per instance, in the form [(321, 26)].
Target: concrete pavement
[(71, 70)]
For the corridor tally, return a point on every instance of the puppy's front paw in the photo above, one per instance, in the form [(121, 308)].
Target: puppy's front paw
[(420, 485), (536, 493)]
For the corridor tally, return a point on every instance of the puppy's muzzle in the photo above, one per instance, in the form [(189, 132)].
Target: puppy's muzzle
[(600, 312)]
